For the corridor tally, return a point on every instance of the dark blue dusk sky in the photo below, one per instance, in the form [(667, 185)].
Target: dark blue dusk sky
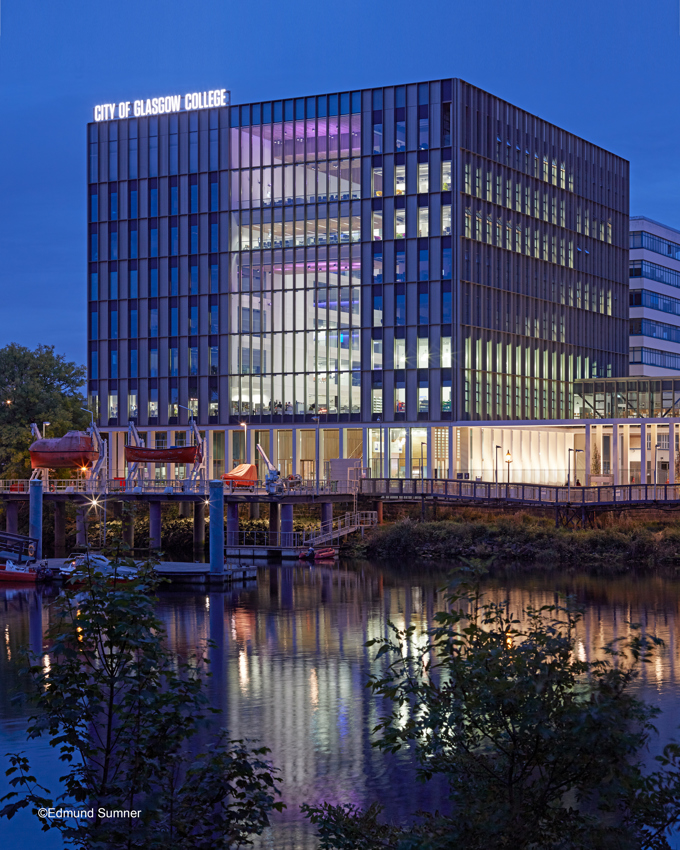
[(607, 70)]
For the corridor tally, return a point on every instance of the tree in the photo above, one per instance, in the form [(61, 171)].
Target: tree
[(36, 386), (539, 748), (122, 710), (595, 460)]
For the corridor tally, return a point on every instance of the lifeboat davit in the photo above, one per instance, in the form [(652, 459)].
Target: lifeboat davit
[(76, 449)]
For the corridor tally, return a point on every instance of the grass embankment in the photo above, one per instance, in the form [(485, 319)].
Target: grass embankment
[(522, 537)]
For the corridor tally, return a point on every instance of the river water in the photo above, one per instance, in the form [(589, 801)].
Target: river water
[(291, 665)]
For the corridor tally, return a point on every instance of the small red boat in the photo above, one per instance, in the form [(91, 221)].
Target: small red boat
[(174, 454), (74, 449), (13, 572), (321, 555)]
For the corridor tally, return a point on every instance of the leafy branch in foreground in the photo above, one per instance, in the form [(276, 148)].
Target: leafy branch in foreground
[(122, 711), (539, 748)]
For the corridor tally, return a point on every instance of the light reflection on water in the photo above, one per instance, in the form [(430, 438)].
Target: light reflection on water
[(290, 668)]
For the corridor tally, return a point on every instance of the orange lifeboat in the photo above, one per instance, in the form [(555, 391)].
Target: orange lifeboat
[(76, 449), (173, 454)]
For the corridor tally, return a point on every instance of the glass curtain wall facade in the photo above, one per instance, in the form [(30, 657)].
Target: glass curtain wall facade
[(414, 254)]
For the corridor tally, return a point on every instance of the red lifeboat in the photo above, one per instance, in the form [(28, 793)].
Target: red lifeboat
[(76, 449)]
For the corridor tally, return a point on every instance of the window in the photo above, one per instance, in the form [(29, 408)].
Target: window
[(194, 239), (94, 365), (423, 395), (193, 198), (113, 404), (113, 324), (173, 200), (423, 133), (133, 363), (446, 124), (133, 283), (400, 308), (401, 135), (423, 177), (377, 309), (134, 242), (94, 247), (113, 152), (193, 360), (399, 224), (446, 219), (446, 175), (153, 362), (214, 360), (153, 403), (193, 280), (134, 330), (193, 320), (376, 183), (174, 312), (378, 268), (94, 286), (377, 354), (377, 399), (174, 242), (94, 155), (113, 370), (153, 283), (447, 315), (113, 252), (446, 352), (376, 226), (400, 266), (153, 241), (377, 136), (446, 395), (423, 353), (153, 322), (399, 395), (173, 362), (399, 353), (423, 308), (446, 263), (214, 196), (214, 236), (423, 221), (153, 203), (214, 319), (214, 279), (94, 212), (400, 180), (133, 408), (213, 404)]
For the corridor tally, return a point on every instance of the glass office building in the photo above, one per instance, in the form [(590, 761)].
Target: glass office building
[(375, 265)]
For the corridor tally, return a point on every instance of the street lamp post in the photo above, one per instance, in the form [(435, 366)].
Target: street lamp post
[(508, 460), (498, 448), (45, 424), (656, 448)]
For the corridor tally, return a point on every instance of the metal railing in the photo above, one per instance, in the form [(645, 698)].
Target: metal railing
[(526, 493), (329, 532)]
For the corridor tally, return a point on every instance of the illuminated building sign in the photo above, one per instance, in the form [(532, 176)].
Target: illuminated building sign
[(161, 105)]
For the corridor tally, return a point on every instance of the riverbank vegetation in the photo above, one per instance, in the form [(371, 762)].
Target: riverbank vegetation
[(630, 539)]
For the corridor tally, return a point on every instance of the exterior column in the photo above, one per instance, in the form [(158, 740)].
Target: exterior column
[(154, 525), (216, 528), (386, 452), (643, 453), (653, 454), (12, 517), (274, 523), (232, 523), (317, 455), (615, 464), (588, 453), (286, 525), (624, 457), (35, 514), (428, 465), (199, 530), (451, 464), (81, 526), (379, 511), (671, 451), (60, 529), (326, 514), (254, 510)]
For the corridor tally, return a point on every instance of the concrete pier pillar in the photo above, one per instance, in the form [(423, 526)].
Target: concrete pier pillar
[(35, 514), (81, 526), (326, 515), (254, 510), (216, 509), (274, 523), (184, 509), (379, 511), (12, 517), (60, 529), (199, 530), (286, 525), (129, 526), (232, 523), (154, 525)]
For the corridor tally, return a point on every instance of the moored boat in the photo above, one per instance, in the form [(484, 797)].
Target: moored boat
[(76, 449), (320, 555), (18, 572)]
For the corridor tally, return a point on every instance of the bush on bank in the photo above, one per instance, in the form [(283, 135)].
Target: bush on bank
[(527, 538)]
